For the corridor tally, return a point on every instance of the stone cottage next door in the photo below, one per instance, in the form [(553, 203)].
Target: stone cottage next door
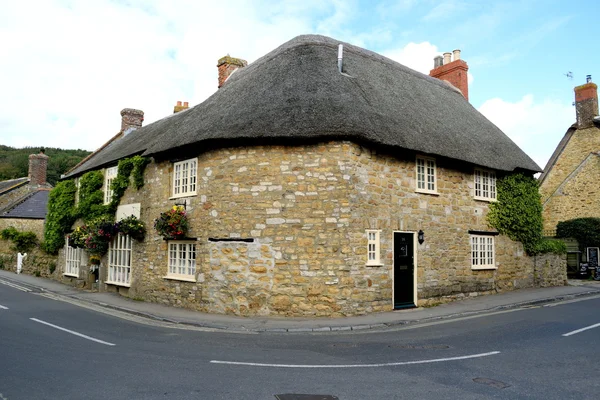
[(404, 270)]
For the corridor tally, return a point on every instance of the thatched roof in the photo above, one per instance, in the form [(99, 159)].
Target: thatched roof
[(296, 93)]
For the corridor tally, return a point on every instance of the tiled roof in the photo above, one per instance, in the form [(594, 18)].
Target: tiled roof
[(33, 206)]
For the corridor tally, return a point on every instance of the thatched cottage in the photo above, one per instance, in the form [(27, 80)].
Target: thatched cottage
[(319, 180)]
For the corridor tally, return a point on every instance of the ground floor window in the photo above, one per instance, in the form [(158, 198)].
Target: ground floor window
[(74, 259), (482, 252), (119, 261), (373, 247), (182, 260)]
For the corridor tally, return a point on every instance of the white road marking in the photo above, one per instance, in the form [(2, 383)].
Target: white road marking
[(356, 365), (581, 330), (14, 285), (3, 307), (73, 332)]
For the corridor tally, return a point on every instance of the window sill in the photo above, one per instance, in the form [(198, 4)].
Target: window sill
[(490, 200), (179, 196), (180, 278), (422, 191), (374, 265), (483, 268), (117, 284), (71, 275)]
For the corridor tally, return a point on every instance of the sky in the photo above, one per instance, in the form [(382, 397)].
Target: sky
[(68, 67)]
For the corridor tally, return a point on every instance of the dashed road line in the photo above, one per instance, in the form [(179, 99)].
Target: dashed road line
[(581, 330), (3, 308), (491, 353), (72, 332)]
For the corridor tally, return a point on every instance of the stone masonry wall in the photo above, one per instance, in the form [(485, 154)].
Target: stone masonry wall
[(295, 220), (550, 270), (37, 261), (577, 200)]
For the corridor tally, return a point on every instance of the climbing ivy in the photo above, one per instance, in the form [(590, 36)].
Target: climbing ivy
[(62, 212), (518, 211), (61, 215), (91, 197)]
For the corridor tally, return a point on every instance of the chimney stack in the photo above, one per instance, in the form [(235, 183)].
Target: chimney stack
[(586, 103), (179, 107), (38, 166), (227, 65), (131, 119), (453, 71)]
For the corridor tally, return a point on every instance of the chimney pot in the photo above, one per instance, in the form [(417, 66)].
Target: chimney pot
[(447, 58), (454, 72), (178, 107), (456, 55), (588, 78)]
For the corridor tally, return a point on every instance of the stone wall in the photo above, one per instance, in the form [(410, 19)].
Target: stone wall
[(295, 220), (550, 270), (569, 189), (37, 261)]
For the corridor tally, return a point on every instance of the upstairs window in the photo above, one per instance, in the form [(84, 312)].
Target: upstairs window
[(109, 175), (485, 185), (373, 248), (482, 252), (184, 178), (426, 175)]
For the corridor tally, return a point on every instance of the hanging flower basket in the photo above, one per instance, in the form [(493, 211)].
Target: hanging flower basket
[(131, 226), (96, 236), (78, 236), (172, 224)]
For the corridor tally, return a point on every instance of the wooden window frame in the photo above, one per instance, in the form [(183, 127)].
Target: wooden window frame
[(185, 178)]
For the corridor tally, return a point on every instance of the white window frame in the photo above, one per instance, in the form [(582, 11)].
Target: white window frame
[(484, 185), (373, 247), (74, 258), (483, 252), (181, 260), (185, 178), (426, 175), (109, 175), (119, 261)]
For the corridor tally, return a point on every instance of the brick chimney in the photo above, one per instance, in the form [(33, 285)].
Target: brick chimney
[(586, 103), (452, 70), (131, 119), (227, 65), (179, 107), (38, 165)]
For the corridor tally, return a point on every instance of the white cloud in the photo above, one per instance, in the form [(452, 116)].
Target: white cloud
[(418, 56), (536, 127)]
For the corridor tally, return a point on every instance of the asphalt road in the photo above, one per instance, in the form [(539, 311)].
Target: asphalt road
[(56, 350)]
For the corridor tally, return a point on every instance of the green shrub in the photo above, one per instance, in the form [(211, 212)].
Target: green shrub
[(52, 267), (9, 233), (585, 230), (550, 246)]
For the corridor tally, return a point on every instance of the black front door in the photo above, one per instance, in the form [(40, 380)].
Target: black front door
[(404, 269)]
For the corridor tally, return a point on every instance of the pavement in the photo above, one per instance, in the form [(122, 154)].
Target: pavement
[(158, 312)]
